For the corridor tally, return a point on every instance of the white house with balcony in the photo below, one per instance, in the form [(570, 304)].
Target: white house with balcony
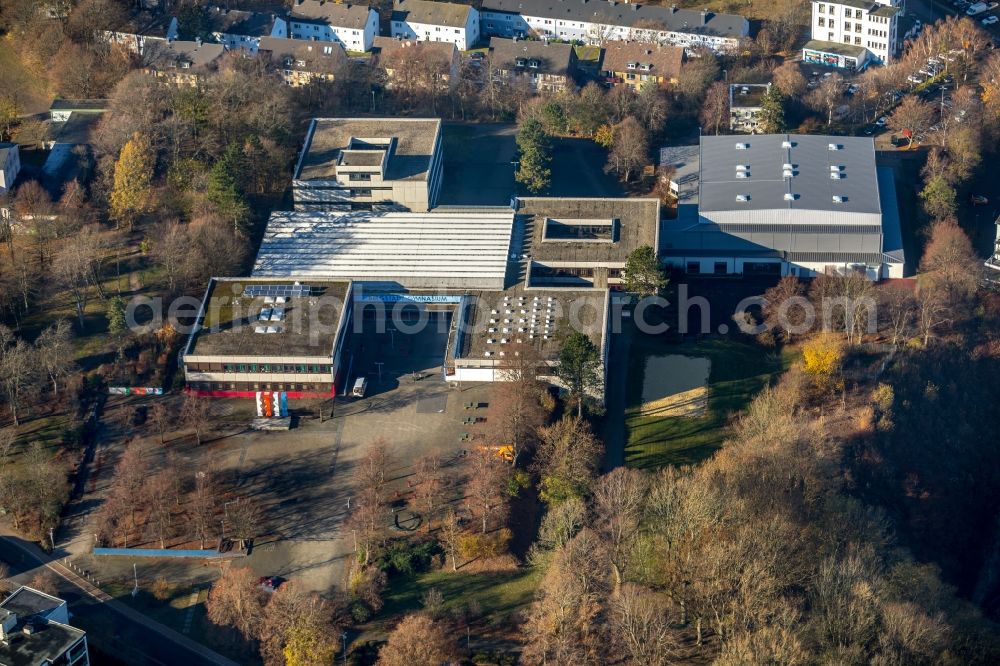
[(237, 29), (427, 21), (353, 26)]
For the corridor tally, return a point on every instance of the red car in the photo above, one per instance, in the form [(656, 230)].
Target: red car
[(269, 583)]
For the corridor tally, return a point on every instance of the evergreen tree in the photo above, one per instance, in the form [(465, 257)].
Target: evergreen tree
[(772, 111), (227, 183), (643, 273), (536, 153), (579, 367)]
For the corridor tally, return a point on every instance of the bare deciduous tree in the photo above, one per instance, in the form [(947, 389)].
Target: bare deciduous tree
[(486, 486), (243, 520), (236, 601), (418, 640)]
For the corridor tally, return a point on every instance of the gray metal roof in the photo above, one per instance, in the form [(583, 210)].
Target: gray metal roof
[(626, 14), (763, 159)]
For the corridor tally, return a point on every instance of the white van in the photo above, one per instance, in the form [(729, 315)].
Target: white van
[(360, 386)]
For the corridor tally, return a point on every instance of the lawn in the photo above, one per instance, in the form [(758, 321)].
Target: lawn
[(739, 370), (499, 594)]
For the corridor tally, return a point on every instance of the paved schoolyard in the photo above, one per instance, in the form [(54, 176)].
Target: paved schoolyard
[(478, 164)]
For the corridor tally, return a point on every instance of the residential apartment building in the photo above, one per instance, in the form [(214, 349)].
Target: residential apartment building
[(353, 26), (409, 61), (429, 21), (182, 62), (634, 64), (142, 30), (35, 629), (237, 29), (10, 166), (850, 34), (301, 62), (539, 66), (369, 164), (602, 21), (745, 100)]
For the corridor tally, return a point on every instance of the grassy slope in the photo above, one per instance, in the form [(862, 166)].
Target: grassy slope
[(498, 593), (31, 90), (739, 370)]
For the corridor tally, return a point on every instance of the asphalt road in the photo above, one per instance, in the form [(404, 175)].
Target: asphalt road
[(113, 636)]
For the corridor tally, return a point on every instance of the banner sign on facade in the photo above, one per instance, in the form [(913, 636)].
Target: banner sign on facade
[(408, 298), (130, 390), (272, 403)]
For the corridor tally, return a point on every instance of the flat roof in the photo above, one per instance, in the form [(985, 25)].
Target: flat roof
[(751, 98), (635, 225), (463, 249), (93, 105), (49, 639), (26, 601), (307, 325), (763, 158), (626, 14), (537, 317), (415, 141), (835, 48)]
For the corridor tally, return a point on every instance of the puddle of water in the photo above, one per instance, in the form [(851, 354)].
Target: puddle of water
[(673, 374)]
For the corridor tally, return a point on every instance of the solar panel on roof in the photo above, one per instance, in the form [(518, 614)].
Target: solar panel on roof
[(277, 290)]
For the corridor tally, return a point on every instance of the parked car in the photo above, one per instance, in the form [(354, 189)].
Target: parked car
[(882, 121), (990, 20), (269, 583), (976, 9), (978, 200)]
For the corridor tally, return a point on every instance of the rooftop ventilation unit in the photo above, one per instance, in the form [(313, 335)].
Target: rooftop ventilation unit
[(788, 173), (835, 146), (836, 167), (789, 196), (786, 144), (742, 174), (787, 167), (742, 146), (742, 167), (836, 175), (838, 199), (743, 197)]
